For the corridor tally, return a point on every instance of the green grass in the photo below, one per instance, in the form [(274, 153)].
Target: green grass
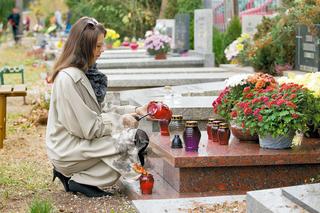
[(22, 178), (41, 206), (15, 56)]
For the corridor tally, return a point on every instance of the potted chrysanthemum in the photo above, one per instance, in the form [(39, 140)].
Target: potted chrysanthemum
[(233, 94), (275, 113), (111, 37), (157, 44)]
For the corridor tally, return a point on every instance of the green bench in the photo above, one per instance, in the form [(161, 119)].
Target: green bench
[(11, 70)]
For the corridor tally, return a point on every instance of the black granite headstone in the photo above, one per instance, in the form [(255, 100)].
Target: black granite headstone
[(307, 50), (182, 43)]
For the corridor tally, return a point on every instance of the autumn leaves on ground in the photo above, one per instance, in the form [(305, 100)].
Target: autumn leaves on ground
[(25, 172)]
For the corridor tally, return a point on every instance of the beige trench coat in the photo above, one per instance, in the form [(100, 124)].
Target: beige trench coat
[(84, 139)]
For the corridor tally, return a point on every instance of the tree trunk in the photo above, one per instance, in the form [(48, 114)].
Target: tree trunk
[(164, 4), (235, 8)]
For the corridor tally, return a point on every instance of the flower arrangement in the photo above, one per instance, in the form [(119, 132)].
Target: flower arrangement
[(236, 47), (111, 36), (312, 82), (309, 80), (275, 111), (233, 92), (156, 43)]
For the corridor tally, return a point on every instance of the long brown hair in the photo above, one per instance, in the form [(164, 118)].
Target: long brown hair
[(78, 50)]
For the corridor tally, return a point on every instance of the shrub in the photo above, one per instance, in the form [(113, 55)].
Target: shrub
[(218, 47)]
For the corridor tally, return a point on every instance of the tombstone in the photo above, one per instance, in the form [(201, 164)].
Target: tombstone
[(182, 43), (250, 22), (203, 19), (207, 4), (307, 50), (168, 25)]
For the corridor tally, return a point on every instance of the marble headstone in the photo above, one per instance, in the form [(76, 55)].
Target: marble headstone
[(250, 22), (203, 31), (182, 43), (203, 23)]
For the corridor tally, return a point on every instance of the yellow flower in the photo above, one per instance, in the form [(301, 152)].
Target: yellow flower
[(111, 35), (245, 36), (309, 80), (239, 47)]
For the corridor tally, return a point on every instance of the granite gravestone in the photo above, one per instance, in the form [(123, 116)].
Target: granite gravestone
[(182, 43), (203, 19), (307, 49), (167, 27), (250, 22)]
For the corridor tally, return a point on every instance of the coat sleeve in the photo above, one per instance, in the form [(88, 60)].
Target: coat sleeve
[(75, 115)]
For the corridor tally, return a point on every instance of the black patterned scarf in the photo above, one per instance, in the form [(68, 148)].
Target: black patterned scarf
[(99, 82)]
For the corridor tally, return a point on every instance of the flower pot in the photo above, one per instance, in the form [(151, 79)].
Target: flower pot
[(280, 142), (160, 56), (109, 45), (242, 135)]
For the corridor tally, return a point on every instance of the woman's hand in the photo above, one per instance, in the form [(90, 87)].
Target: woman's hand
[(129, 121), (142, 110)]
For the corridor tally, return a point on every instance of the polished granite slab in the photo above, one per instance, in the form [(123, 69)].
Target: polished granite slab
[(236, 153), (234, 168), (306, 196)]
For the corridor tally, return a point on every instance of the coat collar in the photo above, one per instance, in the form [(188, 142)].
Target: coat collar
[(78, 75)]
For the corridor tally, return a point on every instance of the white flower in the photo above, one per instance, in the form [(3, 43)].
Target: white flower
[(237, 80), (148, 33)]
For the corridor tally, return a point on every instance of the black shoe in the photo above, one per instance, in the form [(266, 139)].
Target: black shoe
[(141, 142), (87, 190), (64, 180)]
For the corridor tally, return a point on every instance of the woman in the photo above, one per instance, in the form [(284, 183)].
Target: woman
[(88, 144)]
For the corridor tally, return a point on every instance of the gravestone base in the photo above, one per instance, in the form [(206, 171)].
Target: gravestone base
[(208, 60), (223, 170)]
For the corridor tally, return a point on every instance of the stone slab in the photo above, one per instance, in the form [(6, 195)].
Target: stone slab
[(126, 53), (189, 61), (143, 96), (178, 70), (270, 201), (182, 204), (163, 79), (306, 196), (237, 167)]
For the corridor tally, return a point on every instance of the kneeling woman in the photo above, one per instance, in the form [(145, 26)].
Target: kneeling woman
[(88, 144)]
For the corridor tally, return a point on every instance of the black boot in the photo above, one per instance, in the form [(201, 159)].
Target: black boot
[(64, 180), (87, 190), (141, 142)]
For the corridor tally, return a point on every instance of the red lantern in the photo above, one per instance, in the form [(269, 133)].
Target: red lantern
[(146, 183)]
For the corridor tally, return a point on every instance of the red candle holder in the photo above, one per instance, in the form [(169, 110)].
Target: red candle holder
[(146, 183), (164, 127), (125, 44), (134, 46)]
